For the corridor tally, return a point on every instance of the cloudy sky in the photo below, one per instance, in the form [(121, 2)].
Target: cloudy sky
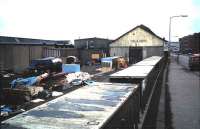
[(72, 19)]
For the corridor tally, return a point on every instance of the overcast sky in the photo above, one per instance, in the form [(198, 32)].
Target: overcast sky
[(72, 19)]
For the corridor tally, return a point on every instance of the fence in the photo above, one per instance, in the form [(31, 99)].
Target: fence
[(149, 77), (127, 116)]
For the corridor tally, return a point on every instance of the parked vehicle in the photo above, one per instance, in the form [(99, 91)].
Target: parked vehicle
[(50, 63), (72, 60), (194, 61)]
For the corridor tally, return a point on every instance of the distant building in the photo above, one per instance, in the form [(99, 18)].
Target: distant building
[(137, 44), (92, 49), (16, 53), (174, 46), (92, 43), (30, 41), (190, 44)]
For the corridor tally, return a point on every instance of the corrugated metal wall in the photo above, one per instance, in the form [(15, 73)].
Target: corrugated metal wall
[(152, 51), (119, 51), (18, 57)]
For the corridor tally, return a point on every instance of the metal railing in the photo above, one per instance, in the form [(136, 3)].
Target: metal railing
[(144, 97)]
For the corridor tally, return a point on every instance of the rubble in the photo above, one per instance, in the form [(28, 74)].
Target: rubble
[(78, 75), (45, 79)]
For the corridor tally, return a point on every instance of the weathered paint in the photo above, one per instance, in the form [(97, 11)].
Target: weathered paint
[(150, 44), (137, 38), (120, 51), (86, 108)]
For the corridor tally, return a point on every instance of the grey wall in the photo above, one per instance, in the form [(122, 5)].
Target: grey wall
[(61, 53), (85, 55), (146, 51), (152, 51), (184, 60), (119, 51), (18, 57)]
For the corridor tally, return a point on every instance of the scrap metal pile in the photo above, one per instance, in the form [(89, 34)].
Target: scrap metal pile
[(46, 78)]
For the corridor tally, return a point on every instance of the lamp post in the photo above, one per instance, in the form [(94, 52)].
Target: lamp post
[(170, 20)]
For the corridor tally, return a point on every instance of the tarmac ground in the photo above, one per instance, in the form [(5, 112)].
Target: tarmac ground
[(184, 97), (179, 106)]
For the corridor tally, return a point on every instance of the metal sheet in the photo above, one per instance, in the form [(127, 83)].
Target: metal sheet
[(86, 108), (133, 72), (152, 61), (139, 70)]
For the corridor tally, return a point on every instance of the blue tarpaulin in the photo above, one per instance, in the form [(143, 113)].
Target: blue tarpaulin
[(70, 68), (24, 81), (6, 109), (108, 58)]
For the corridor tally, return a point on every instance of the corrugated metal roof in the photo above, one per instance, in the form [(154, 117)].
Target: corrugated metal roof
[(93, 39), (18, 40)]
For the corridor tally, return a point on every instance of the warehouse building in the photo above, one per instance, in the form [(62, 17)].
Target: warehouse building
[(137, 44), (190, 44), (16, 53), (92, 49)]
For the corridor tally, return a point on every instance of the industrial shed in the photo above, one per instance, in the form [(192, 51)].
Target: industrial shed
[(16, 53), (92, 49), (137, 44)]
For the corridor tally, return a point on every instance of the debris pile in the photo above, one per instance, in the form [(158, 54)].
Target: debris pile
[(78, 75), (48, 78)]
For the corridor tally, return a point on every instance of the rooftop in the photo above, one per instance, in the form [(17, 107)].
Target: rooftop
[(142, 27), (18, 40)]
